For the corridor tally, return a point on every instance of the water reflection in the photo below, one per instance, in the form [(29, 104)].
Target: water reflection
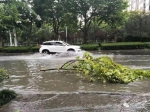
[(26, 75)]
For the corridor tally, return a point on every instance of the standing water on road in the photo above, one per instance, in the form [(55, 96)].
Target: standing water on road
[(59, 91), (25, 74)]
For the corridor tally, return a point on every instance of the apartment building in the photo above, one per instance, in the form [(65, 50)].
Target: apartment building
[(141, 5)]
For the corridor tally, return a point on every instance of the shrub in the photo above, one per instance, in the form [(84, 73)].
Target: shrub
[(6, 96), (35, 49), (19, 49), (147, 44), (0, 49), (122, 45), (90, 47), (3, 74)]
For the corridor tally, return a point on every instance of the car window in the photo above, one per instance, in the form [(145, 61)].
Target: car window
[(47, 43), (66, 43), (58, 44), (53, 43)]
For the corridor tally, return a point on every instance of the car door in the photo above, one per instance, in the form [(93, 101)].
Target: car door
[(60, 47), (50, 46)]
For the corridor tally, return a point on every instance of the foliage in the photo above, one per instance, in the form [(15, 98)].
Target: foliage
[(6, 96), (95, 20), (13, 49), (89, 46), (122, 45), (15, 15), (114, 18), (34, 49), (105, 70), (138, 24), (55, 14), (147, 45), (20, 49), (44, 33), (0, 49), (104, 10), (3, 74), (113, 14), (9, 14)]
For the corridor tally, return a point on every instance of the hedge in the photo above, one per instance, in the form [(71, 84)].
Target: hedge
[(89, 47), (13, 49), (147, 45), (35, 49), (122, 45)]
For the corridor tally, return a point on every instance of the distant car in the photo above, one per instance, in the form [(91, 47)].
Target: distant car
[(52, 47)]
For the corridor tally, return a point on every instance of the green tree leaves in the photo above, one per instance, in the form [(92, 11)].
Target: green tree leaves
[(107, 11), (61, 13), (3, 74), (138, 24), (104, 69)]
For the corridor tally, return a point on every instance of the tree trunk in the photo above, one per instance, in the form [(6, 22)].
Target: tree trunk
[(85, 37), (10, 39), (57, 35), (0, 41)]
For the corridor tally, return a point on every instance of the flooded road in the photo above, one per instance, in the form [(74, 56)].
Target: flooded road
[(27, 79)]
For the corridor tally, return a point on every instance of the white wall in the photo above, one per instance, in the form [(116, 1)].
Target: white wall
[(138, 5)]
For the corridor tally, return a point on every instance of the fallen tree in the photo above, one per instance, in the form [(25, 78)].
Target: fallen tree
[(102, 69), (105, 70)]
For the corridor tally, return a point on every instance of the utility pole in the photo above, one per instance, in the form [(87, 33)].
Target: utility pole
[(66, 33), (144, 7)]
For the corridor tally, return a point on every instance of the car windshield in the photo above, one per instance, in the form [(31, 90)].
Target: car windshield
[(66, 43)]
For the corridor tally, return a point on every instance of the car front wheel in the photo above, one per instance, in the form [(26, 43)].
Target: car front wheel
[(70, 50), (45, 52)]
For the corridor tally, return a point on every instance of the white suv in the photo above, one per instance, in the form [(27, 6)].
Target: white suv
[(52, 47)]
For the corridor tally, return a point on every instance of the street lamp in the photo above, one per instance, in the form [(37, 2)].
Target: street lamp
[(66, 33)]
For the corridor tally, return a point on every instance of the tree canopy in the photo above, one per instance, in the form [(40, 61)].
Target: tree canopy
[(105, 10), (38, 20), (56, 12)]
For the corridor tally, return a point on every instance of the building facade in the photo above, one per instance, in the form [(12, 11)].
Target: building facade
[(141, 5)]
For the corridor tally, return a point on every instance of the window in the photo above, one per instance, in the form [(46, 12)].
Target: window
[(47, 43), (59, 44)]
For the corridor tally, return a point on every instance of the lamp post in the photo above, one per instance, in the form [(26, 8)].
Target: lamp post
[(66, 33)]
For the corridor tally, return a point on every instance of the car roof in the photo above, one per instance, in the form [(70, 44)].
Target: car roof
[(53, 41)]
